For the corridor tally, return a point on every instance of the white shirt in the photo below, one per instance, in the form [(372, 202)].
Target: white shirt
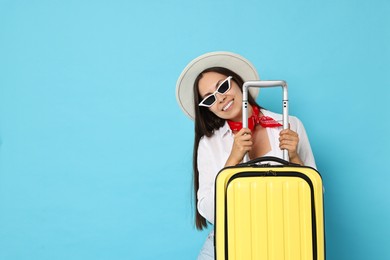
[(214, 151)]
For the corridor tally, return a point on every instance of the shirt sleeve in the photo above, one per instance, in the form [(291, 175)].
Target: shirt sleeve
[(207, 172)]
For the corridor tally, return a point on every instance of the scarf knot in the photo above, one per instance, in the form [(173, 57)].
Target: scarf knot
[(253, 120)]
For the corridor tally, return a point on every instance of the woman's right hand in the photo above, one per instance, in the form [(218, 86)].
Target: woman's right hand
[(241, 145)]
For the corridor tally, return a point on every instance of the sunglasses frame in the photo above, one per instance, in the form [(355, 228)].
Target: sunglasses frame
[(201, 104)]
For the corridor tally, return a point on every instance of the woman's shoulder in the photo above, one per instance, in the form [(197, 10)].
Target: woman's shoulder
[(217, 135)]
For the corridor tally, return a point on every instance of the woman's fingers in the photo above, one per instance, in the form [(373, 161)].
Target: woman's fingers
[(289, 140), (289, 135), (243, 140), (244, 132), (241, 145)]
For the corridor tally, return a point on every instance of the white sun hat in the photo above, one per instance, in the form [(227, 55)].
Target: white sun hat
[(228, 60)]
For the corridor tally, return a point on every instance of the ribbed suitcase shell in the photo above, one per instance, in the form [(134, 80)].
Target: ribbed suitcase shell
[(269, 213)]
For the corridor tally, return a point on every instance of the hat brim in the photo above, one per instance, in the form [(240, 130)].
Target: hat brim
[(229, 60)]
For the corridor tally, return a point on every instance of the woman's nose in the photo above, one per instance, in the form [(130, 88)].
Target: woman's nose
[(220, 97)]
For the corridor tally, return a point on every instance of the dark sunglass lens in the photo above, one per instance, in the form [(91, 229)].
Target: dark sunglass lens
[(209, 101), (224, 87)]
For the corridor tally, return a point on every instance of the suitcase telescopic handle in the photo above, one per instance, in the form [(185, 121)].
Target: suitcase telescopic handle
[(264, 84)]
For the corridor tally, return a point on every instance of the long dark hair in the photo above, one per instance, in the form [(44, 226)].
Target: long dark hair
[(205, 124)]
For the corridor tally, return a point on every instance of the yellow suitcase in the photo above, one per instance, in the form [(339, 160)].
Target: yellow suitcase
[(268, 211)]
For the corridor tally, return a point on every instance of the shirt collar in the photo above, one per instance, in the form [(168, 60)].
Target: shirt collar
[(224, 130)]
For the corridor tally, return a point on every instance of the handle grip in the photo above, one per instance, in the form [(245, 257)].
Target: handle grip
[(267, 159), (264, 84)]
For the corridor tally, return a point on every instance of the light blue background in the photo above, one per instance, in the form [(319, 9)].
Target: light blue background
[(95, 154)]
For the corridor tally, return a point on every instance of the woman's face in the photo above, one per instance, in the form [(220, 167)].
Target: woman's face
[(228, 105)]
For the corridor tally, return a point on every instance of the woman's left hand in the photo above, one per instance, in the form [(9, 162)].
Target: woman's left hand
[(288, 139)]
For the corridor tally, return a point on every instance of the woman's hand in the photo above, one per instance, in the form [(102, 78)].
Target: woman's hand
[(289, 140), (241, 145)]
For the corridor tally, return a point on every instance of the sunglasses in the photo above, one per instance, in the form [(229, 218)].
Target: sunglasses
[(221, 89)]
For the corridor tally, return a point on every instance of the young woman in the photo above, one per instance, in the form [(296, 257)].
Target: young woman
[(209, 91)]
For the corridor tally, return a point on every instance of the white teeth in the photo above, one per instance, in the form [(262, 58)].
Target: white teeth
[(227, 106)]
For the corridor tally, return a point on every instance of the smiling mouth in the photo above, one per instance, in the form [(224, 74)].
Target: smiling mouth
[(228, 105)]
